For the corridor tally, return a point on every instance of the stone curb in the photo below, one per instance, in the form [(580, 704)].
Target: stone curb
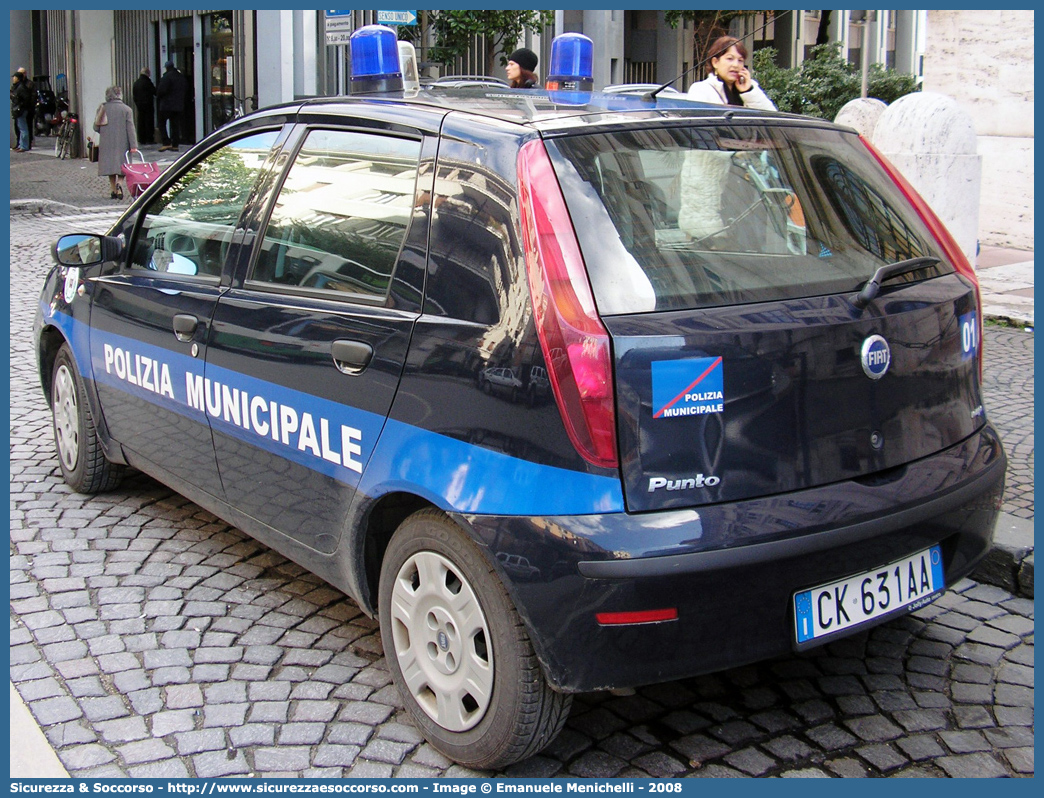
[(1009, 564), (40, 205), (53, 206), (1007, 320)]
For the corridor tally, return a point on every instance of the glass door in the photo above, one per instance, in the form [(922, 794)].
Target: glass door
[(219, 78), (180, 52)]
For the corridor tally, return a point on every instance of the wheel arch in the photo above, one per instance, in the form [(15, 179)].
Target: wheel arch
[(49, 342), (379, 522), (380, 519)]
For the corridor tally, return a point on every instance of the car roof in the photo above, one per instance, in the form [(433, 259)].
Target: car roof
[(546, 111)]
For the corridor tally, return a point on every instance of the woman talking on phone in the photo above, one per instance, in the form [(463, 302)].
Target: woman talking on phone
[(703, 172), (728, 81)]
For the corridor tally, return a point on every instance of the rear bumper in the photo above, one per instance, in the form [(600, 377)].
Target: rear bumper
[(731, 570)]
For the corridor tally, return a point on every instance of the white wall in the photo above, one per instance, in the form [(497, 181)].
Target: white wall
[(984, 59), (275, 57), (305, 52), (95, 67)]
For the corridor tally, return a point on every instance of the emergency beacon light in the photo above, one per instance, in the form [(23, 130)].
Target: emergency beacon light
[(408, 65), (375, 60), (572, 63)]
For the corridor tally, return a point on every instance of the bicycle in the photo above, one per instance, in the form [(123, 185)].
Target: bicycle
[(66, 134), (239, 106)]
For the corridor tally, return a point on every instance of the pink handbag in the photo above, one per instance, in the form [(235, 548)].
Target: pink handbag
[(139, 173)]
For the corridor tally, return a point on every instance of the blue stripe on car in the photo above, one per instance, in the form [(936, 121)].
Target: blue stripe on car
[(450, 473)]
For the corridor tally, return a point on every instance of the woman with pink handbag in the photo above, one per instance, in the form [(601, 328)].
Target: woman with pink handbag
[(114, 123)]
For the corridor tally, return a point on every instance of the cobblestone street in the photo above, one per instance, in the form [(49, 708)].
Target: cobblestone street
[(1008, 378), (150, 639)]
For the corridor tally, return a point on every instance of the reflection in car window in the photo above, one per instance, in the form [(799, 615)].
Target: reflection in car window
[(866, 215), (342, 214), (188, 228), (679, 218)]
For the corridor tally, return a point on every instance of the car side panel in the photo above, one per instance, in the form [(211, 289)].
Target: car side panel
[(475, 373)]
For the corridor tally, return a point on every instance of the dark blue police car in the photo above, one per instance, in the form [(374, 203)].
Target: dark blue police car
[(745, 414)]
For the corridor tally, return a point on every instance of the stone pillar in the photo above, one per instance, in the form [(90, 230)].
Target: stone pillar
[(862, 114), (95, 42), (671, 45), (931, 140), (305, 53), (21, 36), (907, 53), (275, 73), (607, 36), (789, 41)]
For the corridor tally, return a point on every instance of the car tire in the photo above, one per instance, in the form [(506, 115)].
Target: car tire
[(467, 670), (80, 456)]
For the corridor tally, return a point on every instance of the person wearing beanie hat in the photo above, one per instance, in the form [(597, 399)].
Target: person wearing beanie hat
[(520, 69)]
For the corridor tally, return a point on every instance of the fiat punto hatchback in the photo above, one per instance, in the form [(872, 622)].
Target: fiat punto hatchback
[(573, 391)]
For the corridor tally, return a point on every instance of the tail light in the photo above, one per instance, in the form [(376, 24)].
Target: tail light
[(951, 249), (572, 337)]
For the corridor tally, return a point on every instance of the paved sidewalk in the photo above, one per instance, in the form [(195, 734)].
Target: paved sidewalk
[(31, 755), (42, 184), (39, 180), (1006, 280)]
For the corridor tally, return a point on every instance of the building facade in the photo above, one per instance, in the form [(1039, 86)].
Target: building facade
[(244, 59), (239, 60)]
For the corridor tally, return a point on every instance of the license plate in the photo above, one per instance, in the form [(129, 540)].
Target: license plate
[(902, 585)]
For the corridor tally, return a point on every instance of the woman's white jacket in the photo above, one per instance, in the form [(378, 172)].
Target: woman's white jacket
[(712, 90)]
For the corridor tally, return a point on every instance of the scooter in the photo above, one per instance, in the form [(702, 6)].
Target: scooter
[(51, 108)]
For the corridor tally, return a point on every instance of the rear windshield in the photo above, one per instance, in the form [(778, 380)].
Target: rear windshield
[(677, 218)]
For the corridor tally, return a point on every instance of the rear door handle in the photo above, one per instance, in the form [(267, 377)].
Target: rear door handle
[(351, 357), (185, 327)]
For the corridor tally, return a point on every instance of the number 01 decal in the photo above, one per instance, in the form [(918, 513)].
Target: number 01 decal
[(969, 335)]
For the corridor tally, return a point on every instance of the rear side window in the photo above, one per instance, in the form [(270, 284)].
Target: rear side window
[(678, 218), (341, 215)]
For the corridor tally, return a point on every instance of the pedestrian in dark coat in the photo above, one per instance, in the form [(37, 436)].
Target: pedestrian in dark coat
[(520, 69), (144, 94), (30, 114), (20, 100), (171, 93), (114, 123)]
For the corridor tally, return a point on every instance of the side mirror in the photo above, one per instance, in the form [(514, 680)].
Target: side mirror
[(86, 250)]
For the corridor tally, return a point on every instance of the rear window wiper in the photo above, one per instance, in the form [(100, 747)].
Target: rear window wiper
[(866, 296)]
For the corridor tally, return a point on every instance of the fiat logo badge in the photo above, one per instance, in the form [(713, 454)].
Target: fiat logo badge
[(876, 357)]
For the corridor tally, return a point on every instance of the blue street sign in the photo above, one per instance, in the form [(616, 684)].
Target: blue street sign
[(396, 17)]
